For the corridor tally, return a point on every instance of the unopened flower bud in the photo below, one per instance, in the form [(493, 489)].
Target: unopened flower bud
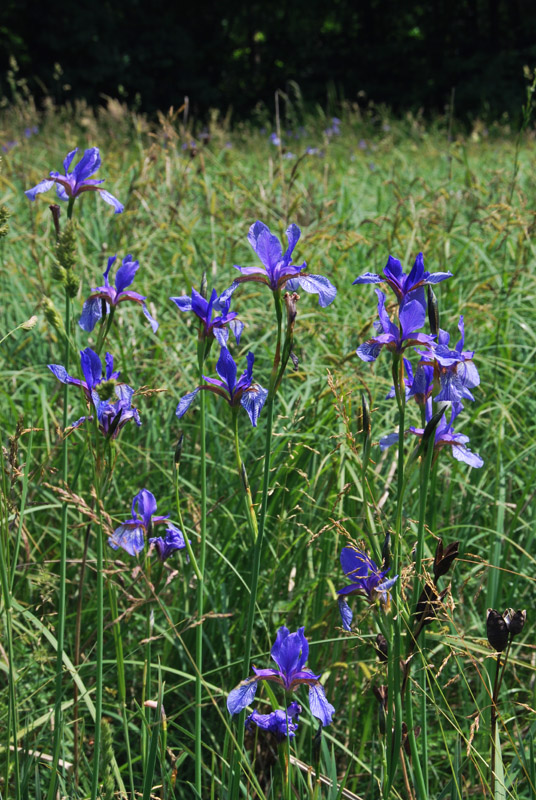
[(433, 311), (203, 287), (365, 417), (178, 449), (497, 630)]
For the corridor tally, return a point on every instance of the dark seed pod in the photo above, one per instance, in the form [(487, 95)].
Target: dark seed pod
[(381, 647), (497, 630), (444, 558), (515, 620)]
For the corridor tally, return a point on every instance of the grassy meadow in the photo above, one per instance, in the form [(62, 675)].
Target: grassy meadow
[(466, 200)]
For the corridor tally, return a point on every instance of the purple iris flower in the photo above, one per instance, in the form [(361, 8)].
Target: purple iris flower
[(290, 652), (72, 184), (367, 579), (205, 311), (278, 269), (445, 436), (111, 416), (113, 295), (130, 535), (243, 391), (455, 368), (411, 317), (91, 370), (278, 722), (405, 286)]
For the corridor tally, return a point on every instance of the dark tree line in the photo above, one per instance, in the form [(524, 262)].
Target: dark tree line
[(406, 54)]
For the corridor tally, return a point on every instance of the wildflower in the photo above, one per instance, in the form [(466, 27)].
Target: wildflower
[(130, 535), (290, 652), (367, 579), (205, 309), (279, 722), (243, 391), (445, 436), (395, 337), (72, 184), (275, 140), (111, 416), (113, 295), (278, 269), (91, 370), (406, 287), (455, 369)]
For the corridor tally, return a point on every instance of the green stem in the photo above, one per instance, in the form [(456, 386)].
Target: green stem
[(418, 774), (146, 682), (242, 474), (121, 680), (189, 550), (201, 582), (60, 630), (98, 464), (494, 702), (6, 592), (257, 549), (394, 716), (104, 330)]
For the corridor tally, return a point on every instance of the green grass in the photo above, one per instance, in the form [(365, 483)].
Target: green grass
[(410, 190)]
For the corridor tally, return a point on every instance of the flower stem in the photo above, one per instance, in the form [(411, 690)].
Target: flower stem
[(99, 653), (60, 630), (394, 716), (257, 549), (6, 592), (242, 474), (200, 585)]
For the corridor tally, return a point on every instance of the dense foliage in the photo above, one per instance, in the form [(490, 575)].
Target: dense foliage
[(360, 191)]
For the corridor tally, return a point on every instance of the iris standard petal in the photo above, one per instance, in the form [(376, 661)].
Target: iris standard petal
[(354, 563), (126, 273), (91, 367), (226, 369)]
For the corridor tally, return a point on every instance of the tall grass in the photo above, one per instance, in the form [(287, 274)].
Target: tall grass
[(381, 186)]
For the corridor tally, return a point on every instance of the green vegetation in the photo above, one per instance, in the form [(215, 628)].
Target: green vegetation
[(467, 202)]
